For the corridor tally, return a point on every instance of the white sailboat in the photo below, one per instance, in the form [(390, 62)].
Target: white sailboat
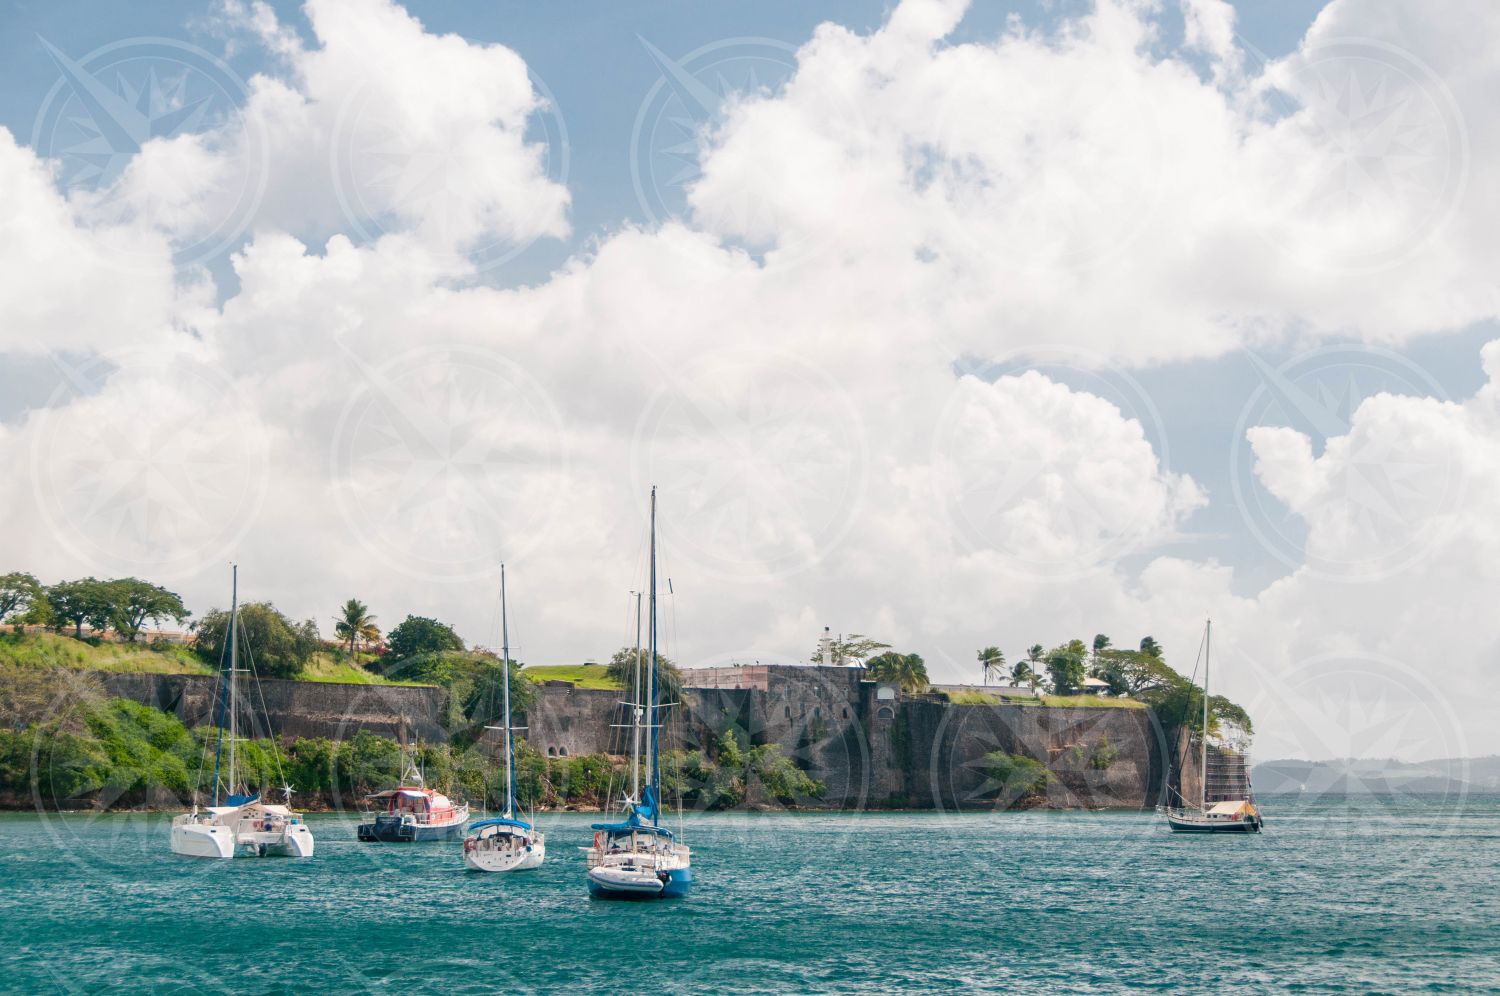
[(1225, 815), (638, 858), (244, 825), (505, 843)]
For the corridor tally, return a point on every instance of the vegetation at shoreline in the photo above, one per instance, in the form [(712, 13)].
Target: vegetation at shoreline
[(115, 753)]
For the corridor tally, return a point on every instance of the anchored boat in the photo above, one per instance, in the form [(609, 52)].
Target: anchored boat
[(411, 812), (243, 825), (505, 843), (1225, 815), (637, 857)]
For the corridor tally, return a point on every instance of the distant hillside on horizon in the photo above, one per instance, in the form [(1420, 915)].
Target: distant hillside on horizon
[(1361, 776)]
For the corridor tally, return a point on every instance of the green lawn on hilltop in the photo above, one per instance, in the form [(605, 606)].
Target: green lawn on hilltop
[(1064, 701), (1087, 702), (49, 651), (56, 650), (336, 669), (582, 675)]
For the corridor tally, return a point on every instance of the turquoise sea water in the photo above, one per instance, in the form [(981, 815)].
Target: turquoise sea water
[(1378, 895)]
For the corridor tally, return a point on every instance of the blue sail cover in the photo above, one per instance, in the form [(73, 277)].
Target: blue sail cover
[(498, 821), (235, 799)]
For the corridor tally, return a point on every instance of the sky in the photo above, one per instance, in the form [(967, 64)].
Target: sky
[(950, 325)]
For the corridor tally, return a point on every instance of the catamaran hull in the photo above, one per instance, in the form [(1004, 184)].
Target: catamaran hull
[(198, 840), (1180, 824), (297, 842), (611, 883), (408, 833)]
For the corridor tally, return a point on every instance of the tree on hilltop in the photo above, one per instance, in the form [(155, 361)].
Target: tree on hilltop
[(354, 623), (991, 659), (134, 602), (417, 635), (1065, 667), (852, 650), (85, 601), (18, 592), (906, 670), (621, 668), (275, 645)]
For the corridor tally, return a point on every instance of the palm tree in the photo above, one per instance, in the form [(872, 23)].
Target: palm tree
[(1034, 660), (1150, 647), (990, 658), (907, 670), (355, 624), (1101, 643)]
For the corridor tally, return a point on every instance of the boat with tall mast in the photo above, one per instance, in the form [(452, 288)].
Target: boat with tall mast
[(638, 857), (1225, 815), (244, 825), (504, 843)]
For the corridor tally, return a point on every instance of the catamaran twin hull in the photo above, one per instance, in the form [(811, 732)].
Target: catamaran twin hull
[(207, 837)]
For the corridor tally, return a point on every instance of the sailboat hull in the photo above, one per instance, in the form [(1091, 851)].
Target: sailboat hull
[(1198, 824), (674, 884), (504, 859)]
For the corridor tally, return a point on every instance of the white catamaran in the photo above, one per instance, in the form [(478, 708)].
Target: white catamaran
[(1225, 815), (638, 858), (504, 843), (244, 824)]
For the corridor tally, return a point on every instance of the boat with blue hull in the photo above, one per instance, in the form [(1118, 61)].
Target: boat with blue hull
[(637, 857)]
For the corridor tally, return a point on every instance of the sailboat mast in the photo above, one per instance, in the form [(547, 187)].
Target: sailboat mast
[(1208, 630), (510, 769), (635, 710), (234, 667), (652, 694)]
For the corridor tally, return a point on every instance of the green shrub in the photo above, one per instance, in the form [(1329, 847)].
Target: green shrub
[(1017, 775)]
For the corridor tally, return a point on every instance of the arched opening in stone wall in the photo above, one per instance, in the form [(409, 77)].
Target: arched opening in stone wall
[(886, 712)]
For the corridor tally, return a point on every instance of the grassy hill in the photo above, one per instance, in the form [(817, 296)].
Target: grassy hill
[(48, 651), (53, 650), (582, 675)]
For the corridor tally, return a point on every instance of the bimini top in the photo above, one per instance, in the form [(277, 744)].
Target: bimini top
[(623, 828), (404, 791), (498, 821), (1235, 807)]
